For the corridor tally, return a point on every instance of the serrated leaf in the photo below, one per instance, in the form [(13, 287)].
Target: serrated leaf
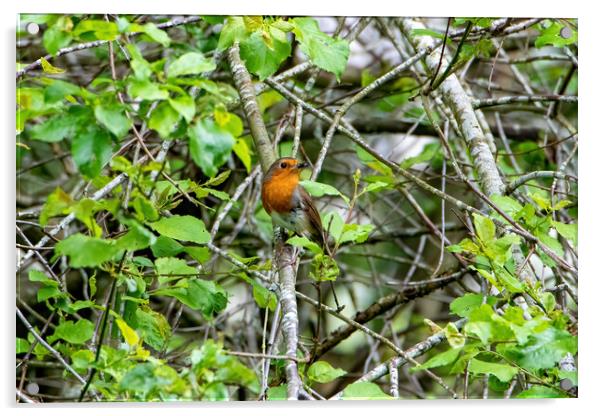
[(325, 52), (264, 52)]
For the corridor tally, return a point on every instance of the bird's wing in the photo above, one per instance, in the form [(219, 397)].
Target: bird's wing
[(314, 220)]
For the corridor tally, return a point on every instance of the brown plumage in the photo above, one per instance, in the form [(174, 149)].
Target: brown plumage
[(289, 205)]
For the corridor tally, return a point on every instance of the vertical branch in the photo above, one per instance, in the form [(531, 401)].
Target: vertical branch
[(284, 253)]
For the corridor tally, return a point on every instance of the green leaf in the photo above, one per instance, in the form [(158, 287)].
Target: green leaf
[(183, 228), (145, 89), (210, 145), (484, 227), (508, 280), (96, 30), (202, 295), (54, 129), (39, 277), (55, 39), (184, 104), (277, 393), (57, 203), (263, 297), (234, 30), (358, 233), (364, 390), (153, 328), (74, 332), (164, 119), (91, 150), (544, 349), (82, 359), (553, 35), (137, 237), (304, 242), (156, 34), (59, 90), (200, 254), (191, 63), (507, 204), (464, 305), (541, 392), (166, 247), (445, 358), (325, 52), (264, 51), (84, 251), (376, 187), (170, 268), (22, 346), (113, 118), (323, 372), (568, 231), (318, 189), (503, 372)]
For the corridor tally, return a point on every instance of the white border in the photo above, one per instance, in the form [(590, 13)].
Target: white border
[(590, 290)]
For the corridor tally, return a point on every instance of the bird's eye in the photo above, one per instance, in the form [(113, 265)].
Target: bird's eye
[(283, 165)]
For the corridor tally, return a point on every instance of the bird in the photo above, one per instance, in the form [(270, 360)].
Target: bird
[(288, 203)]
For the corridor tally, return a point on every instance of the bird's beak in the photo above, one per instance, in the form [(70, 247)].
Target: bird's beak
[(302, 165)]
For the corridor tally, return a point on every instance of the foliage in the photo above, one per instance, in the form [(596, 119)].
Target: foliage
[(154, 277)]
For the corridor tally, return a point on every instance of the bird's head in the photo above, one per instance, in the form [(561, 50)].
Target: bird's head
[(285, 168)]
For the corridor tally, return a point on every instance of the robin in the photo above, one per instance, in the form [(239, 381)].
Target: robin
[(289, 205)]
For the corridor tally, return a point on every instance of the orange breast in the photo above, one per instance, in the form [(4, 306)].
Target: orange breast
[(277, 192)]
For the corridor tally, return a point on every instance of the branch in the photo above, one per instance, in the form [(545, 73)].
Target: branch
[(513, 186), (521, 99), (412, 352), (52, 351), (381, 306), (284, 254)]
